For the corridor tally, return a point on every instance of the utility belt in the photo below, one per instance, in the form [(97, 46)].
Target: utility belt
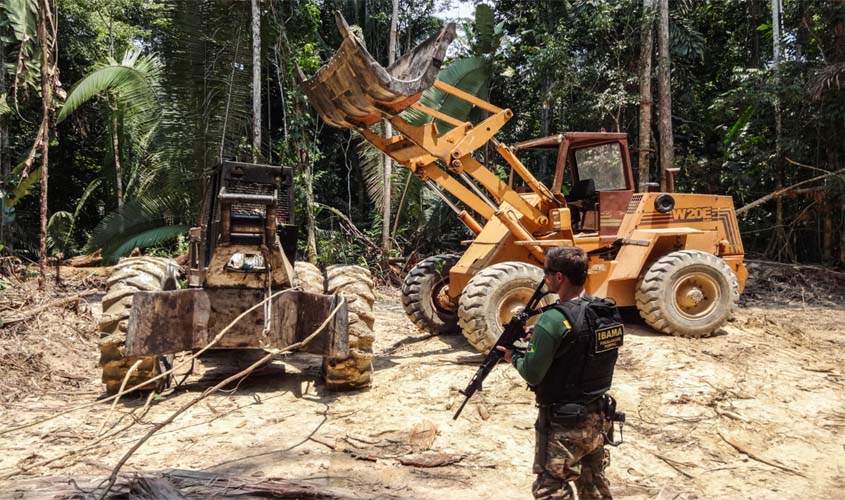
[(575, 412)]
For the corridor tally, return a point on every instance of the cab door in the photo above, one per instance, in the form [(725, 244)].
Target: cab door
[(603, 169)]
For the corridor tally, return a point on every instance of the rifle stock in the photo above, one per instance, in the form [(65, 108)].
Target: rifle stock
[(512, 331)]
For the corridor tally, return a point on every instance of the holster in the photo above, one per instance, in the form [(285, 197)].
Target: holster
[(541, 431), (573, 412)]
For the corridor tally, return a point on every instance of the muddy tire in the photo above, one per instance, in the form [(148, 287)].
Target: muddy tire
[(492, 297), (687, 294), (356, 370), (131, 275), (420, 295), (308, 277)]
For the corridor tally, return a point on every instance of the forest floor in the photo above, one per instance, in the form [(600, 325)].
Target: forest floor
[(756, 411)]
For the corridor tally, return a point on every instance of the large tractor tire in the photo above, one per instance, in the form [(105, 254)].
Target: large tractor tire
[(492, 297), (687, 294), (308, 277), (422, 295), (356, 370), (148, 274)]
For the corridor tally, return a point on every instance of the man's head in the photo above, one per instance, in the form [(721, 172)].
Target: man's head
[(565, 266)]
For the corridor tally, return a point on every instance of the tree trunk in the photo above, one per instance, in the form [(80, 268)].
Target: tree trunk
[(828, 232), (311, 222), (118, 174), (256, 81), (5, 169), (646, 47), (46, 107), (754, 16), (842, 235), (664, 91), (388, 131), (779, 244)]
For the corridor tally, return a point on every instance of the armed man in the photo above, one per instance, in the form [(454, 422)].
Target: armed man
[(569, 365)]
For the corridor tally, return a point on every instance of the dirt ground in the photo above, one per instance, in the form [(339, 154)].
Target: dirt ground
[(756, 411)]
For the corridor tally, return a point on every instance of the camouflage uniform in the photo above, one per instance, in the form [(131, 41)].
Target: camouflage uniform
[(570, 453)]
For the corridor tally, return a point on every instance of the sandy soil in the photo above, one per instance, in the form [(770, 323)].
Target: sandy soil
[(754, 412)]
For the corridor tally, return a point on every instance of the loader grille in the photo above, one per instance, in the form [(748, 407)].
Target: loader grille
[(250, 209), (634, 203)]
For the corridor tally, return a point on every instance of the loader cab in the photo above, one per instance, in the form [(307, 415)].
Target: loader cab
[(593, 174)]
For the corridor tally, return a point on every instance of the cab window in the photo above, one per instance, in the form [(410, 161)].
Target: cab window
[(603, 164), (541, 164)]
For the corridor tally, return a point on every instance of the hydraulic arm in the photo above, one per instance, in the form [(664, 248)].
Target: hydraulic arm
[(353, 91)]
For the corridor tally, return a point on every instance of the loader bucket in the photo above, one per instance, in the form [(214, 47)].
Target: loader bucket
[(352, 90)]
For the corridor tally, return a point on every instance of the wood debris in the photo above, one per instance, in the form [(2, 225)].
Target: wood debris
[(430, 459), (180, 484), (422, 436), (756, 455)]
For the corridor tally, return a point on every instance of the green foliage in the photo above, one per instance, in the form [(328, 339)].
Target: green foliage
[(21, 16), (132, 81), (142, 223), (23, 187), (470, 75), (61, 225)]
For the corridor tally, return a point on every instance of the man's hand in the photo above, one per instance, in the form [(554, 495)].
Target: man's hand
[(508, 353), (529, 330)]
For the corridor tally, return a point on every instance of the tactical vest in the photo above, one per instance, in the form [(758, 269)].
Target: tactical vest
[(582, 369)]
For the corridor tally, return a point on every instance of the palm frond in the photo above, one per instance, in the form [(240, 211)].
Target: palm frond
[(133, 81), (470, 75), (485, 30), (830, 77), (24, 187), (138, 217), (4, 106), (371, 162), (23, 18), (144, 239), (59, 228)]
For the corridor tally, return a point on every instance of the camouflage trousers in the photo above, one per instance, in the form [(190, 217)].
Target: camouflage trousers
[(570, 457)]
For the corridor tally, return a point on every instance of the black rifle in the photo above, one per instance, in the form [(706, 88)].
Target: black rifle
[(512, 331)]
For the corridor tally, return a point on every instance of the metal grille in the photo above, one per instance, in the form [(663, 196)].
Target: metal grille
[(283, 204), (283, 199), (241, 187), (634, 203)]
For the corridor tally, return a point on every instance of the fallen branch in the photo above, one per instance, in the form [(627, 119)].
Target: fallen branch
[(21, 316), (77, 451), (272, 353), (353, 230), (756, 456), (324, 443), (675, 465), (430, 459), (781, 192)]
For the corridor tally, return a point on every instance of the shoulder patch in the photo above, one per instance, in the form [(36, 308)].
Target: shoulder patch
[(566, 324)]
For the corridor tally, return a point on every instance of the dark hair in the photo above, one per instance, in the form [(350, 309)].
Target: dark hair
[(571, 261)]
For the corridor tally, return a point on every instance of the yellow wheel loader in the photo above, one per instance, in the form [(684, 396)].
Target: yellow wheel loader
[(241, 253), (677, 258)]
